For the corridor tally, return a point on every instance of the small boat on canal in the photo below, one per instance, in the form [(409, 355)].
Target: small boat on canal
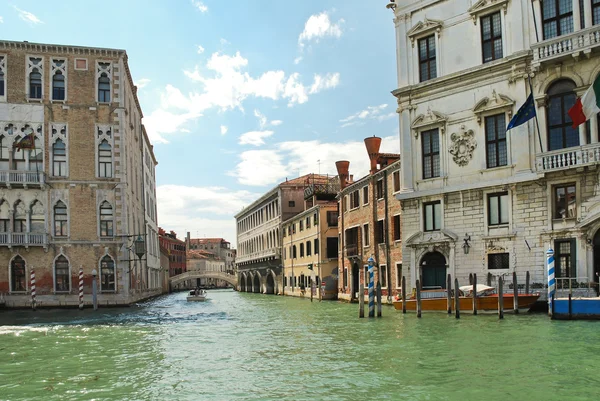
[(487, 300), (197, 296)]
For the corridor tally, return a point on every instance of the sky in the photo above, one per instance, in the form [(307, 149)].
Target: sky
[(237, 96)]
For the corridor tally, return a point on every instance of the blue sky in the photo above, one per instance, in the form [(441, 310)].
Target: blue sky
[(238, 95)]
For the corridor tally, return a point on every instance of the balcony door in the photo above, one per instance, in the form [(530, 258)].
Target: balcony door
[(561, 97)]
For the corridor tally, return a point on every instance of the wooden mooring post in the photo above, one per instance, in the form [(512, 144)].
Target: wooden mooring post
[(418, 298), (515, 293), (403, 294), (527, 282), (456, 299), (449, 293), (475, 294), (500, 298), (361, 300), (378, 295)]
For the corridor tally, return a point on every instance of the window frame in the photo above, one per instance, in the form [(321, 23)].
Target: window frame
[(398, 277), (104, 223), (572, 260), (595, 6), (396, 180), (13, 276), (383, 276), (62, 164), (397, 228), (433, 217), (365, 191), (114, 274), (499, 196), (492, 256), (555, 203), (64, 222), (493, 36), (431, 133), (432, 38), (379, 192), (103, 159), (565, 124), (497, 141), (3, 75), (67, 285), (556, 19), (366, 239)]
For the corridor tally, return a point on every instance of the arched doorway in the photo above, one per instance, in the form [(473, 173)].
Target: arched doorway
[(243, 283), (433, 270), (257, 283), (355, 277), (270, 284), (596, 258)]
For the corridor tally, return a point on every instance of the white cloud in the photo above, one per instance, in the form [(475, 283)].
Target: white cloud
[(275, 123), (142, 82), (225, 85), (264, 122), (224, 41), (1, 20), (370, 113), (223, 129), (200, 49), (203, 211), (298, 59), (27, 16), (318, 26), (267, 167), (200, 6), (255, 138)]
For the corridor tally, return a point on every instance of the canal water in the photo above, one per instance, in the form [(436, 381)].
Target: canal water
[(241, 346)]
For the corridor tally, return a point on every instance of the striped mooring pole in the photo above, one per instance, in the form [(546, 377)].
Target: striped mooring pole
[(80, 287), (371, 288), (551, 279), (32, 278)]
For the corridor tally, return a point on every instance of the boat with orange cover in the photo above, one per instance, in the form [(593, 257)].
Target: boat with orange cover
[(487, 300)]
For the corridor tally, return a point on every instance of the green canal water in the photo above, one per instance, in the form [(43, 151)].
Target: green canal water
[(240, 346)]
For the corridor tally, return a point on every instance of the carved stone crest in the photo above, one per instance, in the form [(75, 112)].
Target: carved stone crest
[(462, 146)]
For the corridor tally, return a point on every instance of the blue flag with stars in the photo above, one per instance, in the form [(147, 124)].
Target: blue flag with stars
[(525, 113)]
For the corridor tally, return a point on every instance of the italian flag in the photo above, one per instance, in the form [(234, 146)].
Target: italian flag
[(587, 105)]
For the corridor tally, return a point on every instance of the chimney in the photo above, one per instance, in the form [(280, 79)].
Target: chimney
[(342, 169), (373, 143)]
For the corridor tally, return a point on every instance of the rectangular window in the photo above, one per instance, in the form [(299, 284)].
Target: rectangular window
[(332, 219), (60, 220), (59, 159), (565, 202), (557, 17), (316, 219), (379, 189), (498, 209), (332, 248), (345, 278), (397, 228), (365, 195), (105, 160), (365, 235), (316, 246), (308, 222), (396, 178), (2, 78), (430, 141), (565, 260), (398, 275), (354, 202), (595, 12), (383, 276), (301, 225), (495, 140), (432, 212), (292, 204), (427, 60), (491, 37), (498, 261), (379, 232)]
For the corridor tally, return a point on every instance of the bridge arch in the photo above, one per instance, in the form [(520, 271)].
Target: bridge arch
[(194, 274)]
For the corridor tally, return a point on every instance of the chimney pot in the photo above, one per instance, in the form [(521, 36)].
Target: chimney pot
[(373, 144), (342, 169)]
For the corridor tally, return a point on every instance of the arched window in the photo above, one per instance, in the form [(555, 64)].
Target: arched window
[(106, 220), (104, 88), (58, 86), (36, 155), (561, 97), (4, 219), (18, 156), (60, 219), (37, 218), (35, 84), (59, 159), (107, 274), (17, 275), (308, 248), (104, 159), (20, 218), (3, 149), (62, 276), (301, 250)]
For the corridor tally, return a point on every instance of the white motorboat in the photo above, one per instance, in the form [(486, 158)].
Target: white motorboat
[(197, 296)]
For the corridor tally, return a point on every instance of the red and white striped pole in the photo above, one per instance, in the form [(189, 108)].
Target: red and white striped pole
[(32, 288), (80, 287)]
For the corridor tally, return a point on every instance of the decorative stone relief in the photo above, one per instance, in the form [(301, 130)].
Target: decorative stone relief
[(462, 147)]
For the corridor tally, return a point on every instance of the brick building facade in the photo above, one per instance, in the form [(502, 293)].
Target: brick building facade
[(175, 249), (75, 199)]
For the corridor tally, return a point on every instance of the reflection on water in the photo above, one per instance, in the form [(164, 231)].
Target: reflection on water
[(239, 346)]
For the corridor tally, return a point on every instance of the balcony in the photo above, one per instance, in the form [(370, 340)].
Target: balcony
[(351, 250), (566, 45), (23, 239), (255, 256), (564, 159), (23, 179)]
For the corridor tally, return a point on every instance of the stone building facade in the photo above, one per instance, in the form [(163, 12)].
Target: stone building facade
[(370, 226), (75, 198), (310, 252), (476, 198), (217, 246)]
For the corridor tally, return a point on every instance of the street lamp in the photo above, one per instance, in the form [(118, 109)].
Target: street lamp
[(140, 247), (466, 245)]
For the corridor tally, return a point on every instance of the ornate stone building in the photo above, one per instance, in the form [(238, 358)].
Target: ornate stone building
[(476, 198), (84, 192)]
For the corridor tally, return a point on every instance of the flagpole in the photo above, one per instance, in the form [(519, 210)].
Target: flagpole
[(537, 123)]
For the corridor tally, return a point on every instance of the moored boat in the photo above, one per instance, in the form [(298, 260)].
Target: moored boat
[(487, 300)]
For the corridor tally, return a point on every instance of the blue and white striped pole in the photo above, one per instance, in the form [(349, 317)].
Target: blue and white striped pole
[(551, 279), (371, 285)]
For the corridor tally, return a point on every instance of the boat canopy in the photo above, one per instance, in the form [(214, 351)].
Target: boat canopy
[(482, 289)]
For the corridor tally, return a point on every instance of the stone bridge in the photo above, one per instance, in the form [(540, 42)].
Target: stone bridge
[(191, 275)]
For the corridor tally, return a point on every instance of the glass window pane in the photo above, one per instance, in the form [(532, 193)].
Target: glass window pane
[(428, 217), (438, 216)]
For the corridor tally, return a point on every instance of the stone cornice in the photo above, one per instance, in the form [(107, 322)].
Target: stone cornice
[(487, 6), (424, 27), (66, 49), (497, 101)]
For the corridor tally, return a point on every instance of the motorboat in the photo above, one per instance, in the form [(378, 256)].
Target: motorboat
[(487, 300), (197, 296)]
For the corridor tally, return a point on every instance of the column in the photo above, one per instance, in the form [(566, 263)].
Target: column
[(537, 15), (406, 151), (587, 11), (577, 15), (541, 116), (402, 53), (581, 129), (594, 129)]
